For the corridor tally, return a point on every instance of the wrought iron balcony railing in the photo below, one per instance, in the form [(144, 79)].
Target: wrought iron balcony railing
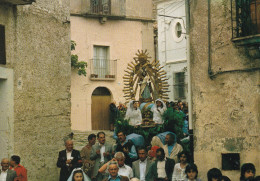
[(18, 2), (106, 7), (103, 69), (245, 15)]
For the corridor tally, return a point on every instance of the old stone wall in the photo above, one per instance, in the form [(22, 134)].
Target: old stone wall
[(226, 108), (38, 51)]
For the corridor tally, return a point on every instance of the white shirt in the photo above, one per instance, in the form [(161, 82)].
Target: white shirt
[(125, 170), (3, 175), (69, 155), (178, 173), (102, 150), (161, 169), (142, 166)]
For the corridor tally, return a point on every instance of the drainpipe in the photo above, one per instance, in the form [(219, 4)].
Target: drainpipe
[(187, 12)]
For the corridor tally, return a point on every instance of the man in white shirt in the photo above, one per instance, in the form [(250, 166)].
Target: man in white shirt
[(100, 152), (163, 167), (5, 173), (171, 147), (142, 168), (124, 169)]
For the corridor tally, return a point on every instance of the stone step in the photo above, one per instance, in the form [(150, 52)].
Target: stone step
[(80, 137)]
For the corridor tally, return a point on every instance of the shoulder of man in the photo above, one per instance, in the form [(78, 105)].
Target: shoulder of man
[(108, 144), (135, 163), (76, 151), (62, 151), (11, 172), (124, 178)]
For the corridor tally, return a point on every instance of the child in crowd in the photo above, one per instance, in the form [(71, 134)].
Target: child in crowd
[(214, 174), (179, 168), (247, 172), (192, 173)]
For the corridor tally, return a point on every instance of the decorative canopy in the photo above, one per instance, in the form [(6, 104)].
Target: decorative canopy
[(145, 80)]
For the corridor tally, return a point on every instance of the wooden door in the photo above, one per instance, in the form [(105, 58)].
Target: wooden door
[(100, 112)]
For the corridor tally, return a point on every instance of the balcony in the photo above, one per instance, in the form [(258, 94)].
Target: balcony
[(99, 8), (103, 69), (19, 2), (245, 15)]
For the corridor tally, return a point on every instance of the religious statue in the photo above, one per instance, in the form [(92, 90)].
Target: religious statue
[(145, 80)]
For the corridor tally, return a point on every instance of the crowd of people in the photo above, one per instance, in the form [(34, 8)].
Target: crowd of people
[(176, 114), (163, 160), (124, 161)]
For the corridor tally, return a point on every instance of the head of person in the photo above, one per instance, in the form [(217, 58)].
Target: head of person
[(159, 103), (69, 145), (5, 164), (170, 139), (120, 157), (92, 139), (78, 175), (191, 171), (101, 136), (113, 169), (160, 154), (134, 179), (183, 157), (135, 104), (15, 160), (247, 171), (180, 104), (152, 152), (142, 153), (214, 174), (121, 136), (225, 178)]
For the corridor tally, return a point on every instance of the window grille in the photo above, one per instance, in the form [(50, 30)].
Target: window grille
[(2, 45), (179, 86), (101, 7), (245, 15)]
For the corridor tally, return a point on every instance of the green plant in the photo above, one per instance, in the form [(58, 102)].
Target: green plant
[(75, 63), (173, 121)]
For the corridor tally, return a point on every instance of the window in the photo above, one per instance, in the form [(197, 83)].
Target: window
[(101, 61), (178, 30), (2, 45), (245, 17), (179, 85), (230, 161), (101, 6)]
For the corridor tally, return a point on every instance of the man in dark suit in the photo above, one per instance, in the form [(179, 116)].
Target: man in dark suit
[(68, 160), (5, 173), (142, 168), (163, 166)]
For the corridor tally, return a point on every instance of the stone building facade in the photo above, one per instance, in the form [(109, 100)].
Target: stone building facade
[(35, 82), (225, 89), (108, 34)]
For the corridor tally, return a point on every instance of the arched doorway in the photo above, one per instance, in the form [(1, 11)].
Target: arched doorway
[(100, 100)]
